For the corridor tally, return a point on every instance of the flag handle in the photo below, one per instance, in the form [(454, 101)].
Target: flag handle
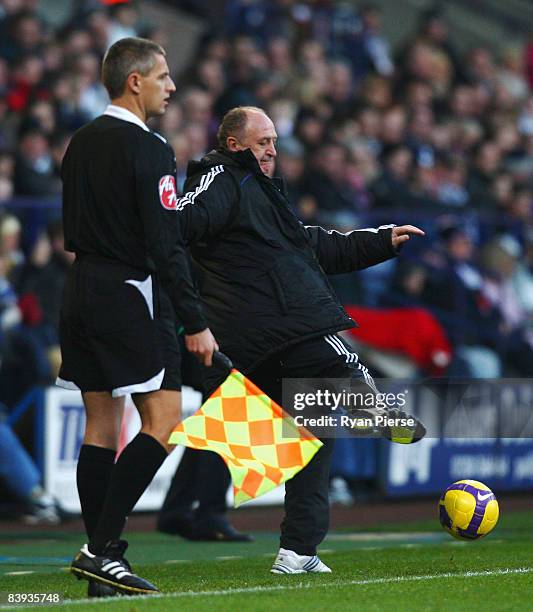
[(222, 361)]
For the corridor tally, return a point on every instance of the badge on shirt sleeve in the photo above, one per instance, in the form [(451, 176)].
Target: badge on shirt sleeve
[(167, 192)]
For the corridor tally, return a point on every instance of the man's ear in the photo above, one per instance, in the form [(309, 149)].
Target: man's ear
[(232, 144), (133, 82)]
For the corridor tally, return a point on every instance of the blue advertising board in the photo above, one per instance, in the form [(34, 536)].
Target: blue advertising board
[(432, 464), (480, 430)]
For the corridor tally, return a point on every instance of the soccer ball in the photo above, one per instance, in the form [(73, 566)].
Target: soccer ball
[(468, 510)]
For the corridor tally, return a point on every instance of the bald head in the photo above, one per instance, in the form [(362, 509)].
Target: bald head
[(249, 127)]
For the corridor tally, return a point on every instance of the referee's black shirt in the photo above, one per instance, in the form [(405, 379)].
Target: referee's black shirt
[(119, 200)]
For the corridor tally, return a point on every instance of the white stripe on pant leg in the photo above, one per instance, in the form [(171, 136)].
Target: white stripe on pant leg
[(339, 346), (370, 382), (352, 357), (363, 369), (342, 348), (329, 341)]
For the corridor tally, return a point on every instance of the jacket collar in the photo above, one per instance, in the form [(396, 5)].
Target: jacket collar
[(245, 158), (119, 112)]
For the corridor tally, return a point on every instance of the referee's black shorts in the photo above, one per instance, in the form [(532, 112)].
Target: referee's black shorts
[(117, 331)]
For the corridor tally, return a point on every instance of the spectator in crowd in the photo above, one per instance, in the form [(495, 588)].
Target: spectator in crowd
[(24, 36), (197, 107), (291, 164), (10, 248), (454, 291), (34, 166), (43, 277), (6, 189), (394, 126), (340, 89), (327, 184), (31, 345), (509, 288), (25, 83), (375, 53), (93, 95), (392, 187), (511, 75), (41, 114), (124, 21), (418, 137), (451, 189), (7, 164), (10, 315), (487, 163), (21, 476), (258, 18), (434, 31)]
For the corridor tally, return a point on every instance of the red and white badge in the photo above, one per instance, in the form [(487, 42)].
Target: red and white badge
[(167, 192)]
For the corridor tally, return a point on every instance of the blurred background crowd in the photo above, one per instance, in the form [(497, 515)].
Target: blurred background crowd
[(369, 132)]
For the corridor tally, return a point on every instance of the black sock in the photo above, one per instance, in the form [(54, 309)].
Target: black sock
[(95, 465), (134, 471)]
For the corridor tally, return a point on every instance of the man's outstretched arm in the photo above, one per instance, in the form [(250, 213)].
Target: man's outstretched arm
[(338, 253)]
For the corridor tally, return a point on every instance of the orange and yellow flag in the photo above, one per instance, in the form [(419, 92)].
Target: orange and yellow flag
[(260, 443)]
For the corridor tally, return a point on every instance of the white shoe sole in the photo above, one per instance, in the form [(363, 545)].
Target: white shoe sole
[(286, 570)]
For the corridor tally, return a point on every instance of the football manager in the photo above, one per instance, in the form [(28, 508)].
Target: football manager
[(267, 298)]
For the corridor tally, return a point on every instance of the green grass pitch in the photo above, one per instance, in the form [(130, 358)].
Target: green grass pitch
[(400, 566)]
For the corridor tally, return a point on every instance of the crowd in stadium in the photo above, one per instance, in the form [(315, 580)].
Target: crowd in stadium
[(367, 135)]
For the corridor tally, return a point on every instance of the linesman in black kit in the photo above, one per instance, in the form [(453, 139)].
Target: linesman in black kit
[(128, 284)]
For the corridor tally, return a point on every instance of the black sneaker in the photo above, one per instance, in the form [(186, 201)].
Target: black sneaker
[(97, 589), (110, 569)]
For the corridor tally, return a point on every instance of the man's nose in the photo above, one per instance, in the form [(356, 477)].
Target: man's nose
[(271, 150), (171, 87)]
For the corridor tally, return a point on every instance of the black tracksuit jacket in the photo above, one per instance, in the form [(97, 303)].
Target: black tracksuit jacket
[(262, 273)]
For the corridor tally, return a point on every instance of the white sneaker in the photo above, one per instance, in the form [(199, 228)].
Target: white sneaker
[(339, 492), (42, 509), (288, 562)]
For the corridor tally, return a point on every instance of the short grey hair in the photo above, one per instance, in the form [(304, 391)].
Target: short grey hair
[(128, 55)]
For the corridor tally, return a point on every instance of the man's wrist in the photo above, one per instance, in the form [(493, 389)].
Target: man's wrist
[(196, 329)]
